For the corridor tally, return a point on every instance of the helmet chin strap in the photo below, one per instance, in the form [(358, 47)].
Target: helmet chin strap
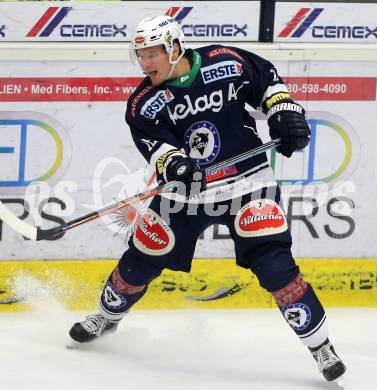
[(171, 71), (173, 63)]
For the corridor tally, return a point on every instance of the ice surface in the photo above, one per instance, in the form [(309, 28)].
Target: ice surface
[(191, 349)]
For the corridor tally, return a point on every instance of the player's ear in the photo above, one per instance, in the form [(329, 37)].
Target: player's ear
[(176, 51)]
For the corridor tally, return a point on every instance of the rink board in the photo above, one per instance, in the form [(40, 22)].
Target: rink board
[(218, 283), (59, 103)]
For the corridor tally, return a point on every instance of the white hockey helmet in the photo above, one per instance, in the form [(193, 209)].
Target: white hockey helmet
[(159, 30)]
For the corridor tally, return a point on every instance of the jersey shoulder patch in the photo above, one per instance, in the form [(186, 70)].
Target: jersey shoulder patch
[(148, 100), (218, 52), (220, 62), (142, 90)]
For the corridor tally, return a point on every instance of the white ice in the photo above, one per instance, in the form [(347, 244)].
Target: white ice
[(181, 349)]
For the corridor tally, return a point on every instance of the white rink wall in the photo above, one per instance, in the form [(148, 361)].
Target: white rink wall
[(62, 120), (65, 78)]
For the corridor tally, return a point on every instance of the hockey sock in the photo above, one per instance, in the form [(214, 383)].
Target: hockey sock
[(119, 296), (303, 311)]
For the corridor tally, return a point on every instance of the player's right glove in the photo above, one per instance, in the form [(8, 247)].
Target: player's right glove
[(286, 120), (177, 166)]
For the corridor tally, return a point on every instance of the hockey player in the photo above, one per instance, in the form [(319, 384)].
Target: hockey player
[(188, 113)]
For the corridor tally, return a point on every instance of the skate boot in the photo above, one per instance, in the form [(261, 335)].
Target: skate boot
[(328, 361), (93, 326)]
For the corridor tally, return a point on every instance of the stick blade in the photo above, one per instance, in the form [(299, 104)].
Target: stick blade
[(17, 224)]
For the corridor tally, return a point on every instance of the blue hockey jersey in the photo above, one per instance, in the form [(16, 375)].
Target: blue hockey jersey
[(203, 113)]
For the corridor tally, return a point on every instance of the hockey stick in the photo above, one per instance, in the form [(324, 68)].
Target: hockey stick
[(35, 233)]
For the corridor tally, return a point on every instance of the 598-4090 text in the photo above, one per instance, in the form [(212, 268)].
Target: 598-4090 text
[(317, 88)]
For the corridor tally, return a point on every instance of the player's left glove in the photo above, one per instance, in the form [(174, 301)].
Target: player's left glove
[(286, 120), (177, 166)]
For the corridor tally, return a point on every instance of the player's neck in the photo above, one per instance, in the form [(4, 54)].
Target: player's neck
[(181, 68)]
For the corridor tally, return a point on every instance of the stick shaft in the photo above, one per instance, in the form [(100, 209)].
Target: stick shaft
[(157, 190), (35, 233)]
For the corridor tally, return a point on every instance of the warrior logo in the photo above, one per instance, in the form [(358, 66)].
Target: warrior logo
[(260, 217), (202, 142), (298, 315)]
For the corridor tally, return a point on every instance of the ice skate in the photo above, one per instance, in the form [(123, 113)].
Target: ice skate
[(329, 364), (92, 327)]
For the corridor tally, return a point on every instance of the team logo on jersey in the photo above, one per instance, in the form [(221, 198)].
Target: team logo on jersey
[(221, 70), (260, 217), (298, 315), (153, 236), (156, 103), (202, 142)]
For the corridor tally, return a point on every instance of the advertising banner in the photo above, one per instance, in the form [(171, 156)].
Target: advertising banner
[(325, 22), (65, 150), (211, 284), (116, 21)]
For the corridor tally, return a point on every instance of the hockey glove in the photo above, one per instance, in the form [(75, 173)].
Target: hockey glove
[(286, 120), (177, 166)]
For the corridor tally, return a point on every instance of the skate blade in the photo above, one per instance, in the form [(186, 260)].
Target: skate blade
[(339, 383), (72, 344)]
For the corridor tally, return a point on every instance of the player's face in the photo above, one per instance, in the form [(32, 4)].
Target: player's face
[(154, 61)]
